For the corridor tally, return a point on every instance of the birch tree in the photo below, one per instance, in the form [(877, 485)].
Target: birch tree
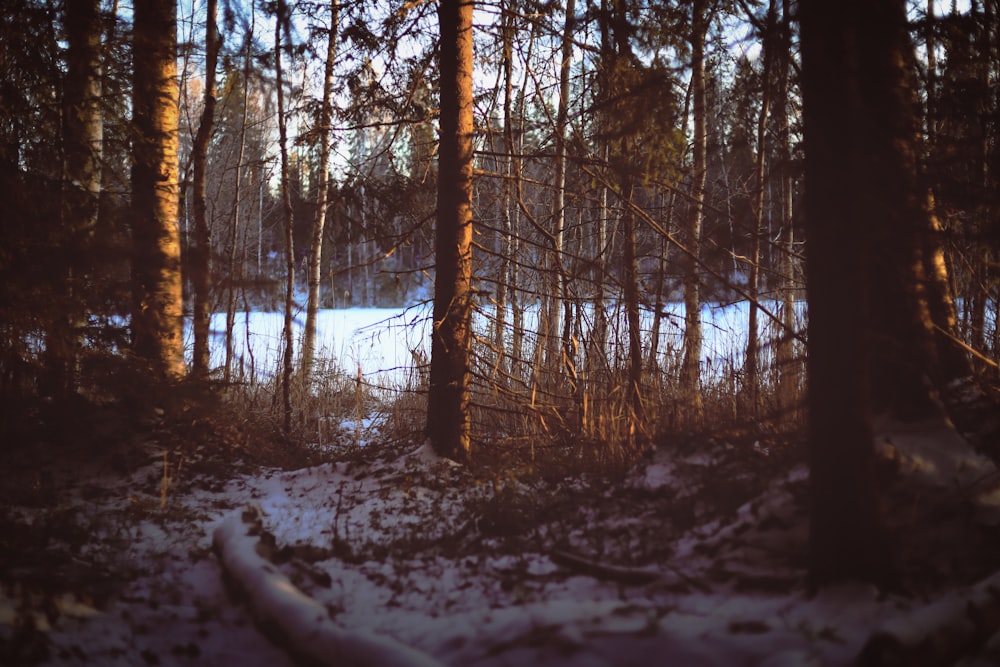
[(323, 186), (201, 251), (280, 24)]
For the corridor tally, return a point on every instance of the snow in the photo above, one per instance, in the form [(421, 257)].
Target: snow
[(300, 623), (933, 449), (386, 344), (437, 563)]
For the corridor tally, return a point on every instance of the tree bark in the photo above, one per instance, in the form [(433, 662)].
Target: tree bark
[(788, 369), (83, 136), (557, 343), (323, 185), (752, 362), (234, 216), (286, 200), (847, 540), (157, 307), (507, 206), (903, 269), (630, 278), (201, 252), (691, 364), (448, 424)]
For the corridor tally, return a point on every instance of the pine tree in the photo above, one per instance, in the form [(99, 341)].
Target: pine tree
[(157, 307), (448, 397)]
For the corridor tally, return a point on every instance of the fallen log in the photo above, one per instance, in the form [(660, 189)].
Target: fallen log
[(291, 618)]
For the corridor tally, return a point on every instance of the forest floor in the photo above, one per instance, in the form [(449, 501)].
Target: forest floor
[(111, 552)]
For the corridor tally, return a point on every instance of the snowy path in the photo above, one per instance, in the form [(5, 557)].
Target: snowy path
[(452, 567)]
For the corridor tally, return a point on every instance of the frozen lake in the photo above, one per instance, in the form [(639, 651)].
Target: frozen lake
[(385, 342)]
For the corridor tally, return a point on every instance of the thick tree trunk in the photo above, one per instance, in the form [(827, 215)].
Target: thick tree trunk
[(448, 397), (201, 252), (905, 355), (847, 540), (157, 308), (323, 185)]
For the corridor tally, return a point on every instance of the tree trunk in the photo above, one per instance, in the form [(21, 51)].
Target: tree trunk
[(597, 351), (448, 396), (752, 363), (663, 262), (83, 137), (201, 253), (286, 200), (630, 278), (234, 218), (157, 306), (788, 371), (691, 364), (903, 266), (952, 362), (847, 540), (558, 296), (506, 194), (323, 185)]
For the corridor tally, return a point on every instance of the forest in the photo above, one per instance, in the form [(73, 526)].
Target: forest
[(688, 313)]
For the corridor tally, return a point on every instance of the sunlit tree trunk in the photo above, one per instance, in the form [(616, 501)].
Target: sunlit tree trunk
[(157, 307), (83, 141), (906, 264), (691, 364), (448, 396), (952, 362), (201, 251), (323, 186)]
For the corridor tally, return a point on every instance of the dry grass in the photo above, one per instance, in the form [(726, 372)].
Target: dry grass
[(526, 416)]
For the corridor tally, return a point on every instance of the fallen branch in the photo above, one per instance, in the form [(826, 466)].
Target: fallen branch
[(291, 618), (622, 575)]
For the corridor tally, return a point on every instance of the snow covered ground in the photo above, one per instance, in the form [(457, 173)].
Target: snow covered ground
[(692, 557)]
